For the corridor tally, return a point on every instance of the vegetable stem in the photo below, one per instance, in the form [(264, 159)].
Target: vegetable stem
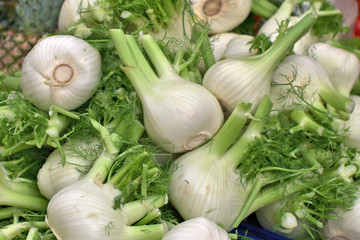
[(337, 100), (149, 232), (263, 8), (162, 65), (13, 230), (136, 210), (233, 155), (282, 45), (256, 187), (231, 129), (305, 123), (7, 212), (9, 197)]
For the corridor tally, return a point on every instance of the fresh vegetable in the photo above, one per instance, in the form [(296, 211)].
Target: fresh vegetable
[(70, 14), (95, 200), (60, 70), (229, 45), (222, 16), (20, 195), (270, 27), (166, 20), (272, 217), (176, 111), (206, 182), (352, 133), (342, 66), (299, 79), (344, 225), (197, 228), (249, 79), (54, 176)]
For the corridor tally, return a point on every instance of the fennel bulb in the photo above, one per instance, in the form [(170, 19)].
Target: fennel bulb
[(197, 228), (72, 11), (60, 70), (272, 218), (205, 182), (176, 111), (270, 27), (342, 66), (345, 226), (249, 79), (223, 15), (352, 125), (300, 80), (229, 45), (85, 210), (54, 176)]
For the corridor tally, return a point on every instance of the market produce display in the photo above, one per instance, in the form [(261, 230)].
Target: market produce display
[(179, 119)]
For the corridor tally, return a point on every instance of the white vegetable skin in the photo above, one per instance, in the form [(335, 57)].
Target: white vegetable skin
[(53, 176), (177, 113), (233, 81), (229, 45), (218, 196), (249, 79), (179, 30), (299, 79), (306, 76), (71, 11), (342, 67), (353, 125), (85, 211), (62, 70), (269, 28), (269, 215), (346, 228), (223, 15), (199, 228)]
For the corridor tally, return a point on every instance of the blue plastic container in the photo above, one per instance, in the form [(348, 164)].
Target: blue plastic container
[(257, 233)]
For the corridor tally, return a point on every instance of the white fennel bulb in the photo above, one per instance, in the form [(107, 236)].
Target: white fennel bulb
[(352, 125), (199, 228), (85, 210), (248, 79), (272, 218), (345, 228), (342, 66), (54, 175), (270, 27), (206, 182), (62, 70), (229, 45), (299, 79), (223, 15), (179, 29), (176, 111), (71, 12)]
